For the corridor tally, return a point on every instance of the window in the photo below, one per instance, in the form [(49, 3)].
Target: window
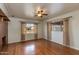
[(30, 28)]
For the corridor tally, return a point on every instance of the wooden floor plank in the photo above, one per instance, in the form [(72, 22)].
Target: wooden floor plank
[(39, 47)]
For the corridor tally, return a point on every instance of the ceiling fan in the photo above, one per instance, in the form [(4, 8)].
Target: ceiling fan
[(40, 12)]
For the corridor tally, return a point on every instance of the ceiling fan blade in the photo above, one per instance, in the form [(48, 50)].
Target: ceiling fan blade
[(45, 14)]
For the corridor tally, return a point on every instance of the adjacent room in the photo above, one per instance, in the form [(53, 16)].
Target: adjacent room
[(39, 29)]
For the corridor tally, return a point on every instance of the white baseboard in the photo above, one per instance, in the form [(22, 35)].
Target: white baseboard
[(71, 47), (67, 46)]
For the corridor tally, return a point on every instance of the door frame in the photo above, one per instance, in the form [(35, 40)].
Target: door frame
[(23, 36)]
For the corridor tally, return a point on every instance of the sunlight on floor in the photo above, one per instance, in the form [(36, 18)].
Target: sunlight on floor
[(30, 49)]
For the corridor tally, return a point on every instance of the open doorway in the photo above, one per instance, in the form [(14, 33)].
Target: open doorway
[(29, 31)]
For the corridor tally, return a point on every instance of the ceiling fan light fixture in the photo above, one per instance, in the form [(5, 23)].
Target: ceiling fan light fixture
[(40, 12), (39, 15)]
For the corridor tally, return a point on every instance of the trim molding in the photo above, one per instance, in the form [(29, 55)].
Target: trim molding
[(65, 45), (24, 41)]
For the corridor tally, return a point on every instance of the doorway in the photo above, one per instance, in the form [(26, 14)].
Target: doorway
[(29, 31)]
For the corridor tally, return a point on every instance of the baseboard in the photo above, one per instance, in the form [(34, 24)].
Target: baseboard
[(71, 47), (65, 45), (25, 41)]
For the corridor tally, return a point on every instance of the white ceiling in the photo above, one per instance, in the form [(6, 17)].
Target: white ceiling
[(26, 10)]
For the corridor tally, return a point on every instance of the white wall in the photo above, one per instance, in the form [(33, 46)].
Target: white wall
[(14, 29), (73, 27), (44, 29), (40, 29)]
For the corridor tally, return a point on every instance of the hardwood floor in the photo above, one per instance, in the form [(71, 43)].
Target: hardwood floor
[(39, 47)]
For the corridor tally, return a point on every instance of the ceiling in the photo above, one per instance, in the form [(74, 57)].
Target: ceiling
[(27, 10)]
